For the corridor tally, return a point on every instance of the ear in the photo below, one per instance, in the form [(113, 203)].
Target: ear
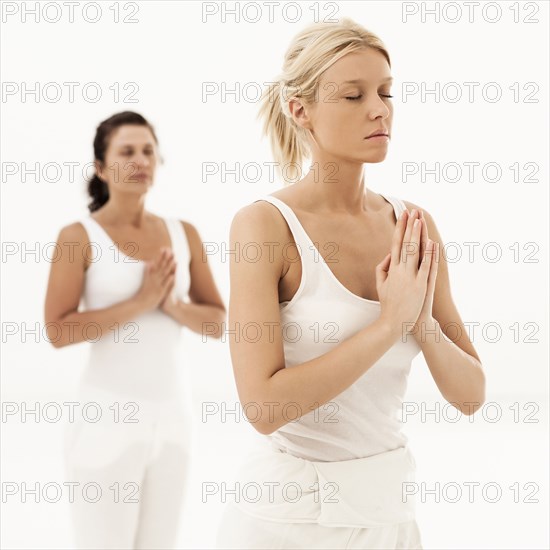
[(299, 113), (99, 169)]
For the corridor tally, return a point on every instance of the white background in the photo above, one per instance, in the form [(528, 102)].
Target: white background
[(170, 52)]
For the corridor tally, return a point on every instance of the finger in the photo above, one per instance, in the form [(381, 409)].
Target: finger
[(397, 239), (167, 277), (417, 236), (410, 221), (170, 266), (412, 252), (406, 245), (435, 261), (169, 270), (158, 261), (433, 270), (417, 252), (383, 267), (165, 259), (423, 234), (170, 283), (425, 266)]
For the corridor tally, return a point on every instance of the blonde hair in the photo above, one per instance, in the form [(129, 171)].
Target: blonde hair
[(311, 52)]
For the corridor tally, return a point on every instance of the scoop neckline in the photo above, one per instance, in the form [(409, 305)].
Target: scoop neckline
[(323, 262), (132, 260)]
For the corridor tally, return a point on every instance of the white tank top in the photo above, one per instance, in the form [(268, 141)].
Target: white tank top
[(365, 419), (142, 357)]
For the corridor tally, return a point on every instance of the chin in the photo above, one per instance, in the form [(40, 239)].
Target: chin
[(374, 158), (143, 189)]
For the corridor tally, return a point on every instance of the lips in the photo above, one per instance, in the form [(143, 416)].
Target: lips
[(380, 132)]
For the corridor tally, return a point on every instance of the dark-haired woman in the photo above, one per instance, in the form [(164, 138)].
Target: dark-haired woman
[(141, 277)]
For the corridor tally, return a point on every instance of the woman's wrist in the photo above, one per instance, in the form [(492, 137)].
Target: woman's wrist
[(170, 306), (389, 327), (141, 303)]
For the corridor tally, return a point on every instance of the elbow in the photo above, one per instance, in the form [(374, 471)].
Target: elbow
[(54, 334), (262, 419), (480, 387), (264, 428), (267, 427), (476, 397), (470, 407), (214, 331), (214, 328), (58, 342)]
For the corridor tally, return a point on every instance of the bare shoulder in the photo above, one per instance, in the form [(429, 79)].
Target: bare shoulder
[(262, 225), (74, 231), (260, 219), (74, 235)]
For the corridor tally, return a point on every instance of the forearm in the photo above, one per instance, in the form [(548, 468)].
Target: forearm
[(203, 319), (81, 326), (458, 375), (312, 384)]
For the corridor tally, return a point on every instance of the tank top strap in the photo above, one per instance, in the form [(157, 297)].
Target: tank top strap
[(307, 250), (178, 237), (182, 252), (99, 241), (398, 204)]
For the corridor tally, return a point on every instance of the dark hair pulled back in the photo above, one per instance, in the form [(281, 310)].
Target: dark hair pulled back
[(97, 188)]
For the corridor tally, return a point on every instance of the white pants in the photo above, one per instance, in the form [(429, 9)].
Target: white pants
[(240, 530), (134, 473), (342, 504)]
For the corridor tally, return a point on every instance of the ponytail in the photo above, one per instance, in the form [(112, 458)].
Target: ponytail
[(287, 139), (98, 191)]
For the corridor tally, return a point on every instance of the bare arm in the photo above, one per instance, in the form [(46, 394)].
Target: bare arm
[(450, 355), (259, 366), (65, 325)]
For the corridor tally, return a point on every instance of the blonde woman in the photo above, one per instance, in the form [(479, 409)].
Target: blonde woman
[(346, 297), (141, 278)]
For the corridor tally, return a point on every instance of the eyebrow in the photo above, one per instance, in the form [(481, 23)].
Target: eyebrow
[(148, 144), (358, 80)]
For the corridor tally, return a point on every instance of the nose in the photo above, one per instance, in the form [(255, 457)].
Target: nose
[(142, 160), (377, 108)]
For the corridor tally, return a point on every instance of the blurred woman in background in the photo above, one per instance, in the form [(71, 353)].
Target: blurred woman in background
[(141, 277)]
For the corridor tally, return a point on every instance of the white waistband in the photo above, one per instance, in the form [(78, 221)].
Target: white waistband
[(365, 492)]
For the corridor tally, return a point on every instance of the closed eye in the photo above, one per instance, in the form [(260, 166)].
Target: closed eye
[(355, 98)]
